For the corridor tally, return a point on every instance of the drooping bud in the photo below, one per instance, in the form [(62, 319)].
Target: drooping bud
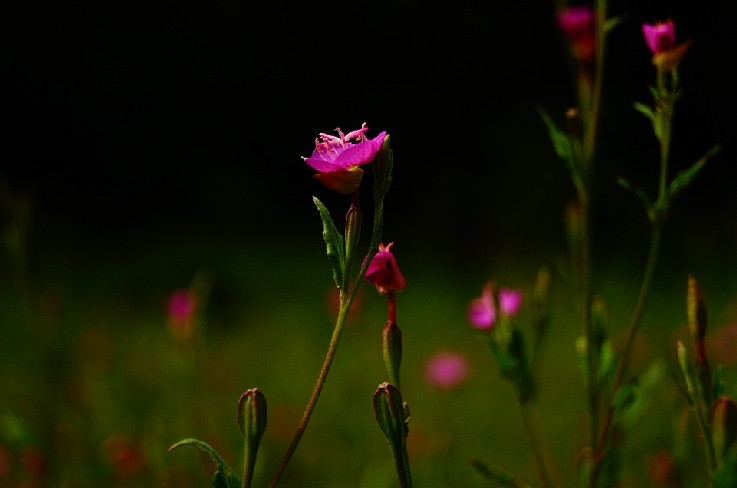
[(252, 424), (392, 349), (724, 426), (383, 271), (391, 416), (383, 170), (352, 235)]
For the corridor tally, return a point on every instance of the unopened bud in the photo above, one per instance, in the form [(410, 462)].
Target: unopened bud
[(696, 309), (724, 425), (392, 349), (252, 424), (383, 170), (686, 369), (391, 416)]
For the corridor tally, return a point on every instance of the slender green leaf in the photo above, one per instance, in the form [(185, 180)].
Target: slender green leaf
[(224, 476), (562, 144), (638, 192), (497, 475), (645, 110), (685, 177), (333, 242)]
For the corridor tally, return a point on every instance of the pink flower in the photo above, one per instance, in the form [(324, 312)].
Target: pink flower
[(181, 308), (578, 25), (446, 369), (510, 301), (482, 311), (383, 272), (337, 159), (660, 37)]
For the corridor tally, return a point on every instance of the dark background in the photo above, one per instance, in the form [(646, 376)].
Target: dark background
[(131, 118)]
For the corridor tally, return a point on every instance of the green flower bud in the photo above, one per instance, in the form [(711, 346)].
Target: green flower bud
[(252, 424), (696, 309), (391, 416), (724, 426)]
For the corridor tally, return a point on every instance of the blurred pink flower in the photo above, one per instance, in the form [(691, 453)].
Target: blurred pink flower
[(481, 311), (182, 308), (446, 369), (337, 159), (578, 26), (660, 37), (510, 301), (383, 272)]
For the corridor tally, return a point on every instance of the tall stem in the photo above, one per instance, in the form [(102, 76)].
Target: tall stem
[(535, 445), (347, 298)]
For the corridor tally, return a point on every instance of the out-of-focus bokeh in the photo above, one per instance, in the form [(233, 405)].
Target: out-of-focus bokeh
[(153, 148)]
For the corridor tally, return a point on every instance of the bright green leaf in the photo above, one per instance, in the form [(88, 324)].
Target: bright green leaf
[(333, 242)]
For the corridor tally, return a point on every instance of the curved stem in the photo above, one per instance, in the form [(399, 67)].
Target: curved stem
[(345, 306)]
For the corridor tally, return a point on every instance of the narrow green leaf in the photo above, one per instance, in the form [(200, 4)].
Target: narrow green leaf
[(625, 396), (645, 110), (562, 144), (638, 192), (613, 22), (497, 475), (333, 242), (685, 177), (220, 478)]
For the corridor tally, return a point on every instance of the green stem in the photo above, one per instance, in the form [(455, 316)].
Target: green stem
[(711, 458), (535, 445), (345, 306)]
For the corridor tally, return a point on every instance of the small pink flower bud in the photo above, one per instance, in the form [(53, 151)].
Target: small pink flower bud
[(696, 309), (182, 308), (510, 301), (383, 272)]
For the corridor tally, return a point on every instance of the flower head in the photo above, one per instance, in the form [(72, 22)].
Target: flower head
[(383, 271), (482, 311), (578, 25), (337, 158), (182, 308), (446, 369), (661, 39)]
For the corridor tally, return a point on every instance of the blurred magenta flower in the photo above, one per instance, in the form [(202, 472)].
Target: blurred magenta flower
[(482, 311), (661, 39), (578, 26), (337, 159), (446, 369), (182, 308), (383, 272), (510, 301)]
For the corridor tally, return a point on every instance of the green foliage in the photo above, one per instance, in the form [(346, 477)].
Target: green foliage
[(333, 242), (224, 476)]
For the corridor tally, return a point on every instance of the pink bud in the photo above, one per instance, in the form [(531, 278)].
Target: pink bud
[(446, 370), (383, 272)]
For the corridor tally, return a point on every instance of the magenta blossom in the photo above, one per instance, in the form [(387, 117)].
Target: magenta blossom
[(337, 158), (182, 308), (578, 25), (383, 272), (482, 311), (660, 37), (510, 301), (446, 369)]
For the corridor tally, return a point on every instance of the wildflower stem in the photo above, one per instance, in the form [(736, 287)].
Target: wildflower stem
[(346, 301), (534, 444)]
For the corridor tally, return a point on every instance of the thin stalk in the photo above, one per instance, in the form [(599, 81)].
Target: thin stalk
[(345, 305), (711, 457), (658, 218), (535, 445)]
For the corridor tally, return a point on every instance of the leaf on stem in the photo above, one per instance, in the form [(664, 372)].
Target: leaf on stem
[(224, 476), (563, 145), (685, 177), (333, 242), (645, 110), (497, 475), (639, 193)]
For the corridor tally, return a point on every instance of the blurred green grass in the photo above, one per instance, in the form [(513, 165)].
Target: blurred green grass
[(86, 364)]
